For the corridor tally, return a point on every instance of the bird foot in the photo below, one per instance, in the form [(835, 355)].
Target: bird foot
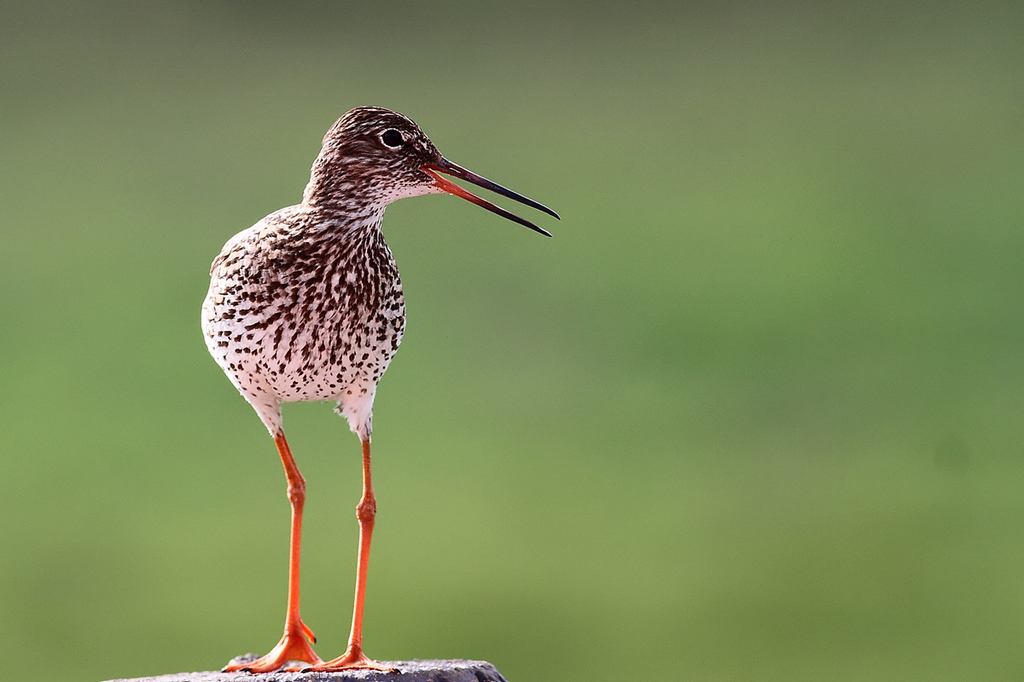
[(350, 660), (295, 645)]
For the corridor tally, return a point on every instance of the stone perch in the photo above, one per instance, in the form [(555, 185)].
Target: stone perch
[(408, 671)]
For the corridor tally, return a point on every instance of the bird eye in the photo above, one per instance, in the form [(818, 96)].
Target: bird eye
[(392, 138)]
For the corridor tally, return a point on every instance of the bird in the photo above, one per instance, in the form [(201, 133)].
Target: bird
[(307, 305)]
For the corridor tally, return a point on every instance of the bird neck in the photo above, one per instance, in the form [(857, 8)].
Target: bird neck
[(337, 188), (356, 226)]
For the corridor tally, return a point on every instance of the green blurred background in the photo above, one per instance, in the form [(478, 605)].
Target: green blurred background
[(754, 413)]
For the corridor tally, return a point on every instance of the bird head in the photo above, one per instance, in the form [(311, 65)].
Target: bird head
[(372, 156)]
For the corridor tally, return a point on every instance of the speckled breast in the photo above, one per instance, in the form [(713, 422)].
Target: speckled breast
[(304, 316)]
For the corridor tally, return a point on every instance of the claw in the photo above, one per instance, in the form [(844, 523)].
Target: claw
[(350, 661), (309, 633), (292, 647)]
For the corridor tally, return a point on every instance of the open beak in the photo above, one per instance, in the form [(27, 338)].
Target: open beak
[(445, 185)]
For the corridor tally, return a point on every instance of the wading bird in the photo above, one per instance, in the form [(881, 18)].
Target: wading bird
[(307, 305)]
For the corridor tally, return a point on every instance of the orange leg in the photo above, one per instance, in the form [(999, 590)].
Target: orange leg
[(365, 512), (295, 644)]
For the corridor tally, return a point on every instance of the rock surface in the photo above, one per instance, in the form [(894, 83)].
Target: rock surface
[(408, 671)]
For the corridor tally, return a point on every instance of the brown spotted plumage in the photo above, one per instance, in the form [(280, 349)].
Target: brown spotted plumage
[(307, 304)]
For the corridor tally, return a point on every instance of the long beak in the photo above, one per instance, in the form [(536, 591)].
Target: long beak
[(446, 185)]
